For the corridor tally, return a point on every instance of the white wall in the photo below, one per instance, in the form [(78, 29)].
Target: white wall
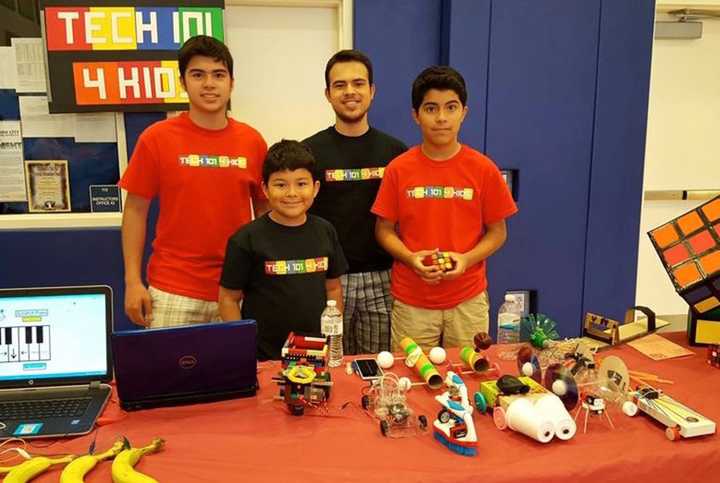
[(280, 55), (683, 144)]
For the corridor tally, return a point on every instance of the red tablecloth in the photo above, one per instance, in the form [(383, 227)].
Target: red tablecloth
[(255, 439)]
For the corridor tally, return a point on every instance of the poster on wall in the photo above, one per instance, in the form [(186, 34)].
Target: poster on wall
[(48, 185), (12, 179), (121, 56)]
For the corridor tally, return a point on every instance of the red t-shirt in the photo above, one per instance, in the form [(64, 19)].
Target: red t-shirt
[(204, 180), (445, 205)]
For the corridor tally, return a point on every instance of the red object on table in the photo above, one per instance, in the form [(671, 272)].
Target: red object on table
[(256, 439)]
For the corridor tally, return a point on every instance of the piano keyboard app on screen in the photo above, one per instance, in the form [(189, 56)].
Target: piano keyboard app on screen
[(44, 336)]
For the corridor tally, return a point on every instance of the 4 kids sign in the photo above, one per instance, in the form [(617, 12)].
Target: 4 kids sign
[(120, 55)]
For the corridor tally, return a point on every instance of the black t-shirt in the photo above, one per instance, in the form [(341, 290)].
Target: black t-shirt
[(350, 170), (282, 271)]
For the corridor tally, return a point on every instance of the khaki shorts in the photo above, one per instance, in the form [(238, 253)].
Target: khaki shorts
[(454, 327)]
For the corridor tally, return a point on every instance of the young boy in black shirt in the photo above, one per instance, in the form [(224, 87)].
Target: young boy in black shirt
[(286, 264)]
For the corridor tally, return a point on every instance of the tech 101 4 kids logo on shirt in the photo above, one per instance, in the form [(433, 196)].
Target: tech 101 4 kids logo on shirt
[(439, 192), (212, 161), (361, 174), (296, 267)]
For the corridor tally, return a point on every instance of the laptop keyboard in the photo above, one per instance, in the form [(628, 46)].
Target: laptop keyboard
[(51, 408)]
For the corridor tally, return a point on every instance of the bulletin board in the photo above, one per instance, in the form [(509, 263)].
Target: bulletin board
[(88, 163)]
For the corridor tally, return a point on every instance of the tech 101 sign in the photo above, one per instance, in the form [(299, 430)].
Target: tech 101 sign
[(117, 56)]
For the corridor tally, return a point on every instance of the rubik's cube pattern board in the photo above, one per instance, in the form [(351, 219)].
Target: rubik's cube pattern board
[(689, 248)]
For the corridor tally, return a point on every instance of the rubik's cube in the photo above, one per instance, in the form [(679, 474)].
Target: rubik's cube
[(441, 260)]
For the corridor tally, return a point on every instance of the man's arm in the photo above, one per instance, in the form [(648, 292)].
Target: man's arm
[(333, 289), (494, 238), (388, 239), (228, 304), (138, 304)]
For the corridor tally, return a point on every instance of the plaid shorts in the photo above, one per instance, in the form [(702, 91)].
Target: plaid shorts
[(368, 305), (170, 309)]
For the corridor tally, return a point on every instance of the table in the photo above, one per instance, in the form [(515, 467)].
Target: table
[(256, 439)]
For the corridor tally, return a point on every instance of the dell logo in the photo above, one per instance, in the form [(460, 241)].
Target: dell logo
[(187, 362)]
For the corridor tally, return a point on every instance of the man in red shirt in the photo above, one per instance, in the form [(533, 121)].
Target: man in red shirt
[(205, 169), (441, 195)]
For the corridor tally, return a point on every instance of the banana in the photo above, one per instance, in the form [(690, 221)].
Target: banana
[(7, 469), (75, 472), (122, 467), (31, 468)]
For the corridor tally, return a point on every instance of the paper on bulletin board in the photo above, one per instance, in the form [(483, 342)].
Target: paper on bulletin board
[(8, 76), (37, 122), (95, 127), (12, 177), (30, 65)]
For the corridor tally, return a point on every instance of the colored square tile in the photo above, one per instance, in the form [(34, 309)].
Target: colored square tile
[(717, 229), (697, 295), (707, 332), (686, 274), (710, 263), (676, 254), (702, 241), (712, 209), (690, 222), (665, 235), (707, 304)]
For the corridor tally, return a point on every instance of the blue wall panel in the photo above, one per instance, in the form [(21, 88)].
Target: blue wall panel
[(618, 156), (468, 40), (41, 258), (402, 38), (541, 91)]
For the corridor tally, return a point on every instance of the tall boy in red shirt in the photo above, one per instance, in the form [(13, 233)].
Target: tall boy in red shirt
[(204, 168), (441, 195)]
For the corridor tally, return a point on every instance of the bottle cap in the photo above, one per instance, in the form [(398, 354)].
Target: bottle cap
[(509, 297), (331, 303)]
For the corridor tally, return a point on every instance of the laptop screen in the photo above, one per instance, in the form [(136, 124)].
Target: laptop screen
[(54, 335)]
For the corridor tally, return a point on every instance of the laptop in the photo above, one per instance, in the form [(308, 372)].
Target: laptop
[(54, 359), (185, 365)]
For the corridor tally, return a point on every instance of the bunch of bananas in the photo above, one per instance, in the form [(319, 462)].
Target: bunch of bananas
[(29, 469), (77, 469), (123, 470)]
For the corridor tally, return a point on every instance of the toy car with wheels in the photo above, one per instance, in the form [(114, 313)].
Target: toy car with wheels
[(386, 402)]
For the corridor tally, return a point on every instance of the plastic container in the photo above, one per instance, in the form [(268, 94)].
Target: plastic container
[(509, 316), (331, 325)]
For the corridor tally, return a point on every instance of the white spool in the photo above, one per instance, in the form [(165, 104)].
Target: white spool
[(522, 417), (551, 407)]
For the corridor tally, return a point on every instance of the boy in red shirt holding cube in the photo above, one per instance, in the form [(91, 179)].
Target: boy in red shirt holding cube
[(441, 195)]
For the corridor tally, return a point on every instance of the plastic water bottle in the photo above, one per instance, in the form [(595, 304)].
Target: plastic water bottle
[(331, 325), (509, 317)]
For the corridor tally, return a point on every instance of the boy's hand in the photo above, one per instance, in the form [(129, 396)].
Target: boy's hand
[(431, 274), (138, 304), (460, 260)]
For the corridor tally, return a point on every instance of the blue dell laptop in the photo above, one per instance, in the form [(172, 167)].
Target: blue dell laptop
[(185, 365)]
